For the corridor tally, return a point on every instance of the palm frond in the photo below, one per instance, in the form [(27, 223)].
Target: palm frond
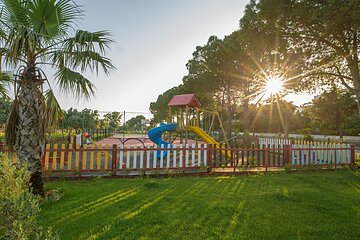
[(52, 19), (88, 41), (5, 79), (85, 60), (15, 12), (54, 112), (74, 82), (12, 125)]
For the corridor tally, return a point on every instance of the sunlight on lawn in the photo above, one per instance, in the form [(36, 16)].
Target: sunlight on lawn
[(249, 207)]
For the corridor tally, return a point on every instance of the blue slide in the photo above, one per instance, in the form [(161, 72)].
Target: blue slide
[(155, 134)]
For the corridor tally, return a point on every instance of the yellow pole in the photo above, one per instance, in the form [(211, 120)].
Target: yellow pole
[(53, 165), (47, 156), (92, 157), (62, 156), (84, 157), (77, 156), (69, 162)]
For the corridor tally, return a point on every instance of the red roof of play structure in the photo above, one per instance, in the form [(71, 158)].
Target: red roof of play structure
[(183, 100)]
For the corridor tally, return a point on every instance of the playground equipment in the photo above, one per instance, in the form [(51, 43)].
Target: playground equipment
[(88, 140), (188, 117), (155, 135)]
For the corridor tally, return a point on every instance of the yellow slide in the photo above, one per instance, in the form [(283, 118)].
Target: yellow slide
[(207, 138)]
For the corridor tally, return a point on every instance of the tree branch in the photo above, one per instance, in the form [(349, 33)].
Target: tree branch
[(343, 82)]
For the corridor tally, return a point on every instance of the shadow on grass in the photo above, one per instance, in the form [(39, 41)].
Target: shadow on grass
[(282, 206)]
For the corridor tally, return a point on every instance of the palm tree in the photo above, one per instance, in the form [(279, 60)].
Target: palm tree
[(35, 34)]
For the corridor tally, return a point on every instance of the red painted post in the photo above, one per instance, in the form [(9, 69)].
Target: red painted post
[(289, 153), (80, 160), (211, 158), (144, 159), (267, 153), (74, 141), (113, 160), (352, 149)]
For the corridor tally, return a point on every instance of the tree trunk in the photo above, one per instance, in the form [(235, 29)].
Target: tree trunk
[(355, 74), (246, 115), (30, 134), (357, 94)]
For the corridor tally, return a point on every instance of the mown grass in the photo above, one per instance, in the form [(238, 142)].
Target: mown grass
[(323, 205)]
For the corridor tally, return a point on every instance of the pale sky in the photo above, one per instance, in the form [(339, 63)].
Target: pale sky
[(154, 41)]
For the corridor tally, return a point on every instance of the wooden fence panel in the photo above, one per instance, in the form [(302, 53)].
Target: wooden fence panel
[(93, 158)]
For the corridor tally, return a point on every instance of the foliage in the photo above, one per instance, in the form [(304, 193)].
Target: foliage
[(160, 109), (275, 115), (333, 112), (42, 33), (352, 125), (308, 137), (311, 44), (5, 104), (246, 207), (113, 119), (326, 32), (357, 162), (74, 119), (19, 208), (134, 124)]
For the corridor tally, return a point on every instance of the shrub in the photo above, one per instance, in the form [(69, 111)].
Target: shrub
[(308, 137), (18, 206), (357, 162)]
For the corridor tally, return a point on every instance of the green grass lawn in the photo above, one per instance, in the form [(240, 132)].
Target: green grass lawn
[(322, 205)]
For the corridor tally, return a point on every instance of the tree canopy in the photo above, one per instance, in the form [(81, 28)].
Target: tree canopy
[(311, 45)]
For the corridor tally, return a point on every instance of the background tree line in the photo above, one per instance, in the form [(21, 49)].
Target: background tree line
[(313, 45), (76, 121)]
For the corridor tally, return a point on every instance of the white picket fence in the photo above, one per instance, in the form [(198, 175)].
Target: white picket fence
[(274, 142), (320, 153), (159, 157)]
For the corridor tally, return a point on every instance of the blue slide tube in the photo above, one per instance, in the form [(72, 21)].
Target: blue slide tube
[(155, 135)]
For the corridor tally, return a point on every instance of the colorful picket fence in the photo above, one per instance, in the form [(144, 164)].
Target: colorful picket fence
[(92, 160), (120, 159)]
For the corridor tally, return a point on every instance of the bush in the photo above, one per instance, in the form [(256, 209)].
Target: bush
[(307, 137), (18, 206), (357, 162)]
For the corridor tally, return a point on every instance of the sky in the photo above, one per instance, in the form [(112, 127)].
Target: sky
[(154, 39)]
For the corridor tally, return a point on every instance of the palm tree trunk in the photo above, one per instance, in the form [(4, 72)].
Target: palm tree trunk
[(30, 134)]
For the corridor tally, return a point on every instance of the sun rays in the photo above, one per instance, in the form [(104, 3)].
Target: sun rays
[(274, 85)]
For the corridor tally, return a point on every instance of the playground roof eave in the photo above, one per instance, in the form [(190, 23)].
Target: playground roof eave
[(184, 100)]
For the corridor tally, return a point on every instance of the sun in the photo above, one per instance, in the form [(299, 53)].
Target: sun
[(274, 85)]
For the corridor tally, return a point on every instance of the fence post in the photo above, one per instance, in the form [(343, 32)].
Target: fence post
[(113, 160), (209, 158), (81, 160), (267, 153), (352, 149), (74, 141), (286, 154)]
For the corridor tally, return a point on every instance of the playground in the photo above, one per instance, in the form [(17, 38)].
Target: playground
[(184, 146)]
